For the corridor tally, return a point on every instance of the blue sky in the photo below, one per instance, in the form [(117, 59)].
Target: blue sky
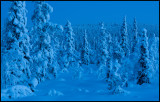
[(92, 12)]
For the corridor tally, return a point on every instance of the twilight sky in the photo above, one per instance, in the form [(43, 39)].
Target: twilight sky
[(92, 12)]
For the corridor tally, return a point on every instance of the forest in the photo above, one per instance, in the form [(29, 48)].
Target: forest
[(119, 56)]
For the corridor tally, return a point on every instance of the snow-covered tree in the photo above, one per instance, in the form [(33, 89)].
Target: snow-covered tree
[(125, 47), (93, 51), (118, 54), (124, 38), (117, 51), (103, 53), (143, 74), (85, 50), (115, 81), (61, 54), (16, 56), (152, 54), (110, 50), (70, 55), (42, 51), (134, 41), (54, 30), (134, 51)]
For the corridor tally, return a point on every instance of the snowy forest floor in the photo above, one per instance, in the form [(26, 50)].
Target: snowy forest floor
[(89, 88)]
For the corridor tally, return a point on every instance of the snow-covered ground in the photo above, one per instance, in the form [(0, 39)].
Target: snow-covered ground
[(88, 88)]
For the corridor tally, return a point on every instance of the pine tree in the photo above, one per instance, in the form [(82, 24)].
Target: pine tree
[(42, 54), (144, 59), (16, 56), (103, 53), (85, 50)]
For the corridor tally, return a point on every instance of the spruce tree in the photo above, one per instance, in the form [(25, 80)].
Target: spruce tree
[(126, 52), (143, 74), (124, 38), (103, 53), (16, 56), (42, 50), (154, 54), (117, 51), (110, 50), (115, 81), (85, 50), (134, 41), (70, 56)]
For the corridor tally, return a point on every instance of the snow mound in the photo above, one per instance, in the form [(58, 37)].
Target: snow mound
[(34, 82), (16, 91), (55, 93), (83, 90), (62, 79), (119, 90), (79, 89), (101, 92), (86, 91)]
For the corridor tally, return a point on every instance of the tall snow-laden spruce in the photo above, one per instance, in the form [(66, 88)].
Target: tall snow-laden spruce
[(69, 45), (115, 81), (42, 51), (143, 73), (109, 57), (103, 53), (125, 61), (154, 55), (85, 50), (16, 55), (134, 50), (54, 30), (124, 38), (117, 50), (134, 41), (71, 57)]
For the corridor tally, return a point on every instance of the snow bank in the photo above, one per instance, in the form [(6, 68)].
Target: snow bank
[(16, 91)]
